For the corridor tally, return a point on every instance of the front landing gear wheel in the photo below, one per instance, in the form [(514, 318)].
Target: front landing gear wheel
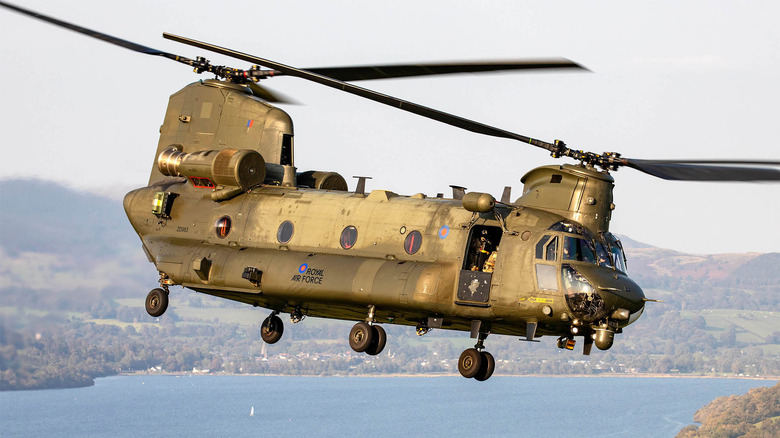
[(272, 329), (469, 363), (378, 342), (156, 302), (360, 337), (487, 368)]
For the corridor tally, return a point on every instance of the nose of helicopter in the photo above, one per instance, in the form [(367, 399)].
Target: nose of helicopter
[(624, 294), (621, 298)]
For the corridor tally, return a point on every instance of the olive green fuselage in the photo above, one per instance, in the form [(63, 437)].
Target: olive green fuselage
[(314, 273)]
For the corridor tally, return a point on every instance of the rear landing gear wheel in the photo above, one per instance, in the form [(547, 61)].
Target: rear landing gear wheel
[(156, 302), (360, 337), (469, 363), (272, 329), (378, 342), (487, 368)]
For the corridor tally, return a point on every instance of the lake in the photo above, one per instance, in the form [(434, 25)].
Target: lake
[(132, 406)]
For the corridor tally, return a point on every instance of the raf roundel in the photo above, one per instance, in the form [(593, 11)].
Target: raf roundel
[(303, 268), (444, 231)]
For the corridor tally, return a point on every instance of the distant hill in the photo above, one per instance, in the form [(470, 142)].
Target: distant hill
[(44, 217), (629, 243), (60, 245)]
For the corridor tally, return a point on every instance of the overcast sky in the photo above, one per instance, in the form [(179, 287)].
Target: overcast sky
[(669, 79)]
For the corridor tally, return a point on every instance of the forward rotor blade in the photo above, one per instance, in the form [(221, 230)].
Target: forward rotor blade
[(706, 170), (370, 72), (414, 108), (99, 35)]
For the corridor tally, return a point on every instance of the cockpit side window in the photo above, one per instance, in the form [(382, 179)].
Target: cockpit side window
[(547, 274), (547, 248), (540, 246), (552, 249)]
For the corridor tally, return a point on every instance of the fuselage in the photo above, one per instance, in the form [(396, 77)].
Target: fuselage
[(415, 259)]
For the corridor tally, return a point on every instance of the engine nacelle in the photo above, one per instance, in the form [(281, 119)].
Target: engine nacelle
[(242, 168), (322, 180)]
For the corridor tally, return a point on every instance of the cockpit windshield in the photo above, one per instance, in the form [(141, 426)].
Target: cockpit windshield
[(616, 249), (604, 250), (603, 254)]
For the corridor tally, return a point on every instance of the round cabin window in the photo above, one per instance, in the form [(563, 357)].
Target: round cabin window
[(222, 226), (413, 242), (348, 237), (285, 232)]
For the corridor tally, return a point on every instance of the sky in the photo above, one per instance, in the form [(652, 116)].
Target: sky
[(668, 80)]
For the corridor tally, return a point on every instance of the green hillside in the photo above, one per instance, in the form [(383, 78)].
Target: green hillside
[(755, 414)]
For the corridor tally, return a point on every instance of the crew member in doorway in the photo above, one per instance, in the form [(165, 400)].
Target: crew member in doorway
[(480, 251), (490, 263)]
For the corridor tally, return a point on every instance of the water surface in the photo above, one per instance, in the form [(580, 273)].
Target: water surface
[(132, 406)]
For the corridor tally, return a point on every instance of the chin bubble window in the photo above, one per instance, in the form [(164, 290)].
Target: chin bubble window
[(581, 297)]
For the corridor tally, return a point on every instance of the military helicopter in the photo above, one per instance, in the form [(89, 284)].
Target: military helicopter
[(226, 213)]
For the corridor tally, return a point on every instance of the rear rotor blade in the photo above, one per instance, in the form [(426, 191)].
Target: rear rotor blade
[(411, 107), (706, 170), (369, 72)]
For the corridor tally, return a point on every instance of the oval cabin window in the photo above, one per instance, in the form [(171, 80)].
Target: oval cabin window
[(348, 237), (285, 232)]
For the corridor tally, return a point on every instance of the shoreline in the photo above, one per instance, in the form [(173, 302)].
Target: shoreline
[(376, 376), (435, 375)]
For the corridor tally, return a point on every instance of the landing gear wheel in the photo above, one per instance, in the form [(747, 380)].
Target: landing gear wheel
[(487, 368), (378, 342), (469, 363), (156, 302), (360, 337), (272, 329)]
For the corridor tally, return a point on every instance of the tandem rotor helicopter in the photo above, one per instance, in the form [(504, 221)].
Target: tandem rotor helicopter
[(226, 213)]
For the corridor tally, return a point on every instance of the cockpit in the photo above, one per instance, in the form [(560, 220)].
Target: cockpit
[(571, 259), (604, 250)]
